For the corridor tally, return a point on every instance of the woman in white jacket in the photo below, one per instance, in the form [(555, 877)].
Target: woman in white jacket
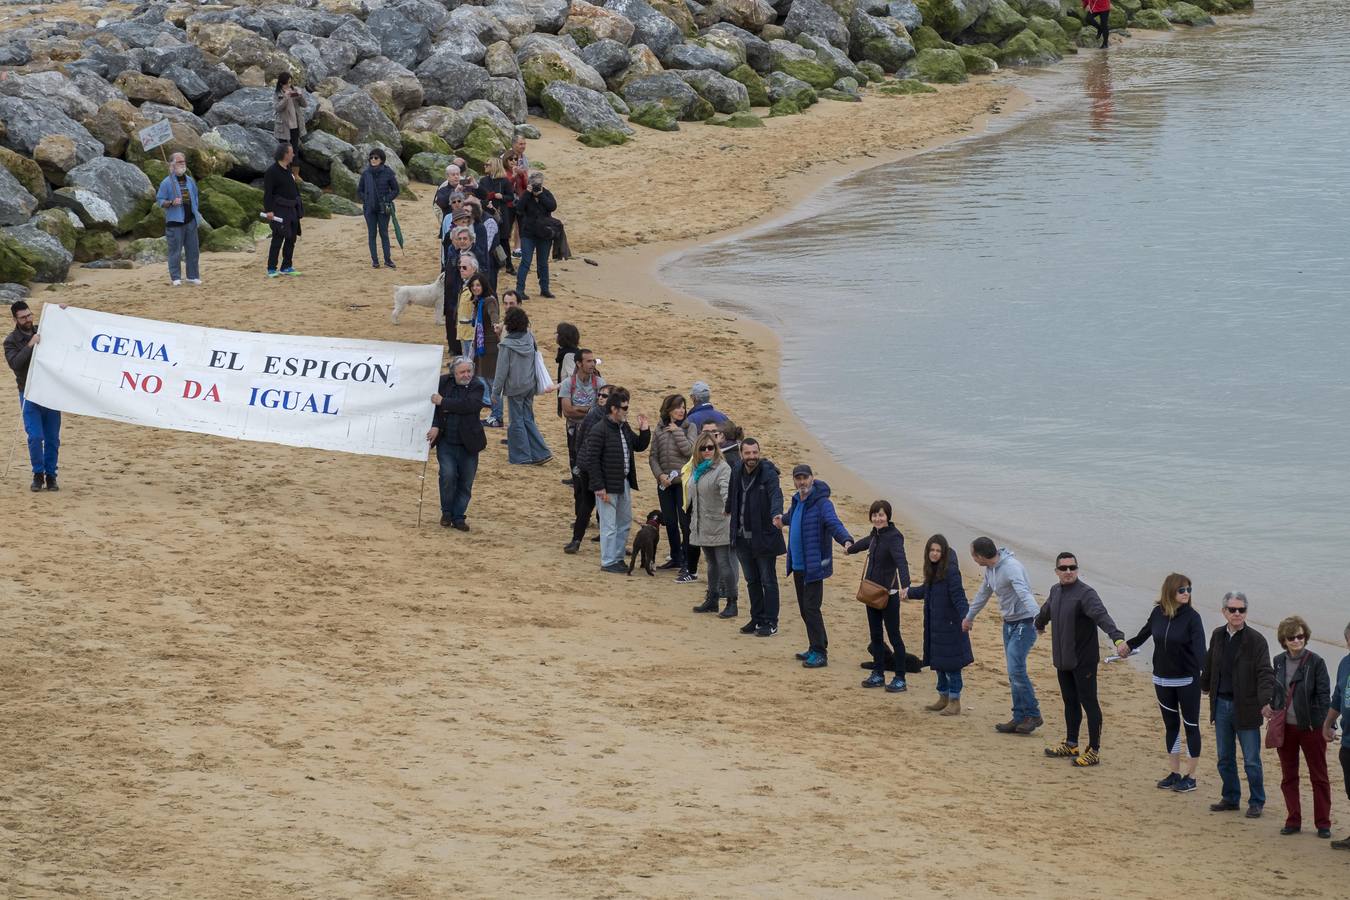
[(707, 487)]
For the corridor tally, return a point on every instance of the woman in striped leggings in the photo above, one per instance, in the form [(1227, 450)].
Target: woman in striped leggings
[(1178, 636)]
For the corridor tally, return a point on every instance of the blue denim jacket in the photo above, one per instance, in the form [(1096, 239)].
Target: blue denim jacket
[(168, 190)]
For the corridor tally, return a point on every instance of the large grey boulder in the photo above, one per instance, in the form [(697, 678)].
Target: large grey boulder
[(581, 109), (320, 149), (355, 32), (155, 111), (282, 17), (462, 44), (401, 39), (607, 57), (508, 95), (829, 55), (123, 186), (725, 94), (378, 68), (476, 110), (381, 77), (814, 17), (448, 80), (432, 14), (26, 124), (749, 14), (546, 60), (94, 212), (659, 33), (251, 148), (42, 251), (16, 204), (141, 34), (221, 79), (883, 41), (547, 16), (478, 22), (52, 89), (951, 17), (693, 56), (757, 54), (321, 57), (781, 84), (356, 106), (669, 91), (253, 107), (190, 84), (158, 60), (907, 13), (449, 124), (500, 61)]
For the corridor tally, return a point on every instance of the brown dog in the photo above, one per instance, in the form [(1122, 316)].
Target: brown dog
[(648, 536)]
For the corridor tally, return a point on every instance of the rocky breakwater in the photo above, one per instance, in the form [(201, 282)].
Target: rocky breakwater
[(429, 78)]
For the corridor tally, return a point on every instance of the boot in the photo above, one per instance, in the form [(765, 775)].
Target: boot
[(708, 605), (953, 707), (730, 612), (939, 704)]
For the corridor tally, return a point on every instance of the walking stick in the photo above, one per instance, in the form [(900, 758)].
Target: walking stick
[(420, 493), (12, 445)]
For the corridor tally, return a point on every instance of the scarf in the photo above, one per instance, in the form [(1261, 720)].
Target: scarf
[(701, 469)]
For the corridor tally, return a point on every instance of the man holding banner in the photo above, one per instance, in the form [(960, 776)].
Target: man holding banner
[(457, 434), (178, 195), (43, 425)]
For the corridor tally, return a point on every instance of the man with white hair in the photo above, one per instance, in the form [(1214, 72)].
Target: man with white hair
[(446, 188), (178, 197), (457, 434)]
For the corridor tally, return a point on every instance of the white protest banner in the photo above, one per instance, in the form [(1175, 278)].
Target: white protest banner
[(153, 135), (369, 397)]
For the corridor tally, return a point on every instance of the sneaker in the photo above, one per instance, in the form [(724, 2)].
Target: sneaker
[(875, 680), (290, 271), (685, 578), (572, 546), (815, 660), (749, 628), (617, 568), (1223, 806), (175, 283), (389, 264), (271, 273), (492, 422), (897, 686), (195, 282), (1088, 757), (459, 525), (1028, 725), (1064, 750), (548, 295), (51, 483), (374, 264), (803, 655), (1254, 811), (37, 482), (515, 253), (1185, 784), (766, 630), (1167, 783), (1007, 727)]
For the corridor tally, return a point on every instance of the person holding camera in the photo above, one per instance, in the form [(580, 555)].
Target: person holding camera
[(290, 104), (534, 210)]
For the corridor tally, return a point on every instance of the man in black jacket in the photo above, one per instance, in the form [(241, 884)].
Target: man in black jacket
[(607, 459), (457, 434), (42, 425), (755, 502), (281, 205), (1239, 679), (583, 498)]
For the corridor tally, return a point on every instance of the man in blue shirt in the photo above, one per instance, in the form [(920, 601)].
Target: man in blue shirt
[(1340, 707)]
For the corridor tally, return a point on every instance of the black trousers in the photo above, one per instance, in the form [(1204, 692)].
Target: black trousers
[(1180, 708), (761, 583), (1102, 22), (677, 524), (890, 619), (691, 552), (295, 143), (1345, 766), (810, 594), (283, 242), (1079, 687), (583, 502)]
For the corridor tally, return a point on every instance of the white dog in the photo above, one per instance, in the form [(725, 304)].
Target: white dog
[(428, 295)]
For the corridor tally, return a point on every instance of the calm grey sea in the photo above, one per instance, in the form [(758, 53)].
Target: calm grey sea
[(1117, 324)]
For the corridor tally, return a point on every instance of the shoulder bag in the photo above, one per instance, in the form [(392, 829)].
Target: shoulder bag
[(1275, 724), (870, 593)]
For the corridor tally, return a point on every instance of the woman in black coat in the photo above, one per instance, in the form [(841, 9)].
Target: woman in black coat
[(886, 565), (534, 211), (1303, 691), (946, 646)]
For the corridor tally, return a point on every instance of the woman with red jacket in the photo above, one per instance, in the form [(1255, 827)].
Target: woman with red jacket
[(1099, 17)]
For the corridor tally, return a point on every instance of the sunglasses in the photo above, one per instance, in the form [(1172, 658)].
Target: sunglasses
[(1236, 610), (466, 267), (1184, 590), (1066, 568), (624, 407), (707, 449)]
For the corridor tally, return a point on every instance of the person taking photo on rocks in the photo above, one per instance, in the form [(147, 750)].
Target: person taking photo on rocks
[(607, 458), (457, 436), (378, 189), (289, 103), (534, 211), (283, 209), (42, 425), (886, 565), (178, 196), (1006, 577), (812, 523)]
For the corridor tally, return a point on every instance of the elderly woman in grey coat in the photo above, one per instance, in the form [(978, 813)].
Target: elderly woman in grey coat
[(709, 484)]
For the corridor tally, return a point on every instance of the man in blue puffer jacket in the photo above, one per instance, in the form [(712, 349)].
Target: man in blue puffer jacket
[(811, 523)]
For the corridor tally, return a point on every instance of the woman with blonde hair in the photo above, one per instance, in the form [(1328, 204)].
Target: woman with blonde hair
[(1303, 694), (708, 484), (1178, 635)]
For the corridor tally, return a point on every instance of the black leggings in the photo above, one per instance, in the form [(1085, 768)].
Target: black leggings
[(1181, 707), (1102, 22), (890, 618), (1079, 687), (1345, 763)]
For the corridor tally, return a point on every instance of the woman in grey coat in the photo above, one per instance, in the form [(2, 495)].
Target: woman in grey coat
[(516, 379), (710, 523), (290, 109)]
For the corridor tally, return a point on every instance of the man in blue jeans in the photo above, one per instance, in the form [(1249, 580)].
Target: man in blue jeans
[(43, 425), (1239, 680), (1006, 577)]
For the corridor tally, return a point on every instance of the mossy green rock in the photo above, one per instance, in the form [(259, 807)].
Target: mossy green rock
[(227, 240), (1150, 20), (906, 86), (339, 206), (154, 169), (817, 75), (429, 168), (1027, 49), (151, 224), (976, 62), (1188, 14), (873, 71), (655, 116), (1050, 32), (28, 172), (249, 198), (925, 38), (740, 120), (57, 223), (939, 66), (147, 250), (415, 142), (754, 84), (92, 245), (841, 96), (314, 209), (999, 22), (1117, 18), (1133, 6), (482, 144), (604, 137), (785, 106), (342, 180), (13, 266), (221, 210)]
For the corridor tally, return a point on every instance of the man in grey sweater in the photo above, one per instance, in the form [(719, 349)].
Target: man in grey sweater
[(1076, 612), (1006, 577)]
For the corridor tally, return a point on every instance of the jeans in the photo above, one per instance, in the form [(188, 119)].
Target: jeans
[(1018, 639), (761, 583), (458, 469), (377, 221), (1225, 737), (539, 248), (1313, 745), (949, 684), (182, 248), (809, 597), (43, 426), (721, 575), (890, 619), (677, 527), (1079, 687), (524, 444), (616, 518)]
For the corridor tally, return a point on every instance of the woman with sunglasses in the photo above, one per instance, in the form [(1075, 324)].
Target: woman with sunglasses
[(1178, 635), (709, 485), (1303, 692)]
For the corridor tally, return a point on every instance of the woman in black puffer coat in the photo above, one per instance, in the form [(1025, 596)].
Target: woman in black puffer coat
[(886, 565)]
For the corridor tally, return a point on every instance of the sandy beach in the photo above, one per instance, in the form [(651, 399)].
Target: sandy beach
[(240, 670)]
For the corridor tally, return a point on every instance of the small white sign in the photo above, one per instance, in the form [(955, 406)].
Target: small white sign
[(159, 133)]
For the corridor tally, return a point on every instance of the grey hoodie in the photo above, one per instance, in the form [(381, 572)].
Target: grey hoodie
[(1008, 579), (515, 367)]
